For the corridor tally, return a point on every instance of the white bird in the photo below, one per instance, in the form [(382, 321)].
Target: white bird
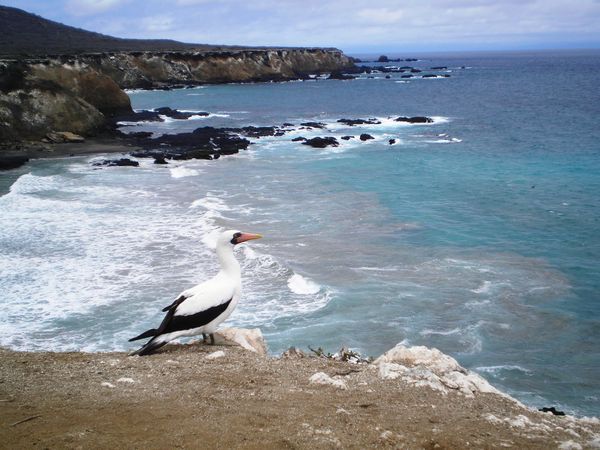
[(200, 310)]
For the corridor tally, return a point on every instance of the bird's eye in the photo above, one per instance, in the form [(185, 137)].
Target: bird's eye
[(235, 238)]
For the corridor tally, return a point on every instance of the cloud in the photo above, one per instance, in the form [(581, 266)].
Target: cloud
[(90, 7), (382, 16), (157, 23), (347, 24)]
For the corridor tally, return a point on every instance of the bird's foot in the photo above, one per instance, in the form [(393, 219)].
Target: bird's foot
[(212, 339)]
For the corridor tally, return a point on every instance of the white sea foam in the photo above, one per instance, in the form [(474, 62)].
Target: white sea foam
[(181, 172), (301, 285), (494, 370), (484, 288), (427, 332), (211, 202)]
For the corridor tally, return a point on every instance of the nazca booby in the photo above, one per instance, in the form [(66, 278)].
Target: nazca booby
[(202, 308)]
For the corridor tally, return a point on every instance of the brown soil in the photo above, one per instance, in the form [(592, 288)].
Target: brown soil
[(180, 399)]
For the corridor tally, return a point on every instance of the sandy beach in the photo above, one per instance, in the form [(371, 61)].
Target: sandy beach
[(201, 396)]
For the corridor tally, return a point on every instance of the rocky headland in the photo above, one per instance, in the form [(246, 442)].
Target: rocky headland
[(55, 78), (233, 395)]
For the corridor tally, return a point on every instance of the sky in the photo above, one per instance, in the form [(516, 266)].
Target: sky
[(353, 26)]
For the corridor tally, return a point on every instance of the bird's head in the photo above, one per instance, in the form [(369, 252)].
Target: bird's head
[(234, 237)]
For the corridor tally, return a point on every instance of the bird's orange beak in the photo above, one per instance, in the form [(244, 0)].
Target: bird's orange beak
[(248, 237)]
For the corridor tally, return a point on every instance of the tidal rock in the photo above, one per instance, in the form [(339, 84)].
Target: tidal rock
[(322, 142), (256, 132), (388, 77), (439, 68), (383, 59), (415, 119), (392, 141), (406, 76), (287, 125), (249, 339), (298, 139), (117, 162), (552, 410), (12, 162), (347, 138), (313, 124), (160, 160), (339, 76), (415, 71), (366, 137), (179, 115), (352, 122)]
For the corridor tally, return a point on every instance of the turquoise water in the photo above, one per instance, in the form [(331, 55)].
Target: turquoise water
[(476, 234)]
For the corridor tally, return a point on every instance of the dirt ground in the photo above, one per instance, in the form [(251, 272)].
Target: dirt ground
[(179, 398)]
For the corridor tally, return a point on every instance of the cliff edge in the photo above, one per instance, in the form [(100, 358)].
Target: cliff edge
[(225, 396)]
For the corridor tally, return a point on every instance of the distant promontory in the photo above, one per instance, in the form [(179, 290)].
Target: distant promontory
[(58, 78)]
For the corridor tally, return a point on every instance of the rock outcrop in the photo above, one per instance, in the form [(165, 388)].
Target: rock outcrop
[(58, 78), (77, 93)]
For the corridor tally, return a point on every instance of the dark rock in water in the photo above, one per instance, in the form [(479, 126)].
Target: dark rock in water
[(202, 143), (339, 76), (415, 119), (286, 124), (429, 75), (298, 139), (12, 162), (415, 71), (257, 132), (313, 124), (388, 77), (411, 59), (176, 114), (406, 68), (139, 134), (383, 59), (406, 76), (347, 138), (140, 116), (552, 410), (439, 68), (352, 122), (322, 142), (392, 141), (195, 154), (117, 162), (160, 160), (366, 137)]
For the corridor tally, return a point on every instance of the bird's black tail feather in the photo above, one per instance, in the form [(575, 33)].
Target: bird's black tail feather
[(146, 334), (148, 348)]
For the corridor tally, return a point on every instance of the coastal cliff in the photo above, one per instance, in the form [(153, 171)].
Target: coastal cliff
[(59, 78)]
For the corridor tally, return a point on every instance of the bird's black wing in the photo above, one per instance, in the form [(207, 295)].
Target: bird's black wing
[(173, 322), (175, 304), (156, 331)]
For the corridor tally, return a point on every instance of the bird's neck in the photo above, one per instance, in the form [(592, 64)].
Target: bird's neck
[(229, 264)]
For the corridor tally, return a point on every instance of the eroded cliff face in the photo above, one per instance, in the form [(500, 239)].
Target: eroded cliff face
[(78, 93), (142, 70)]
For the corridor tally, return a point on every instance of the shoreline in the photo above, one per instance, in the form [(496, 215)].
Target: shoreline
[(225, 396), (93, 145)]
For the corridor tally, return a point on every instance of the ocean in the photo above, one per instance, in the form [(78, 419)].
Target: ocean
[(476, 234)]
